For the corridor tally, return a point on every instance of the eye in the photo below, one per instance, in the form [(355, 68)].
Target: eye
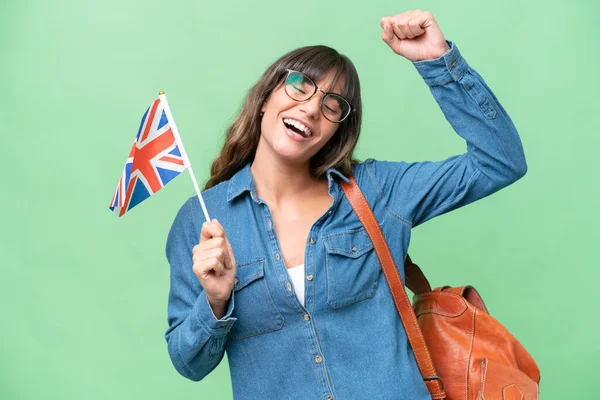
[(331, 110), (332, 105)]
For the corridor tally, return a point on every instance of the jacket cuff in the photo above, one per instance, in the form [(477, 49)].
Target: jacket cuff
[(448, 67), (207, 318)]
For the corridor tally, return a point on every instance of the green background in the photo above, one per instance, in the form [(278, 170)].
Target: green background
[(83, 293)]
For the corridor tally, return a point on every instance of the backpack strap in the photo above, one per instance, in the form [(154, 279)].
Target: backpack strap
[(407, 315), (415, 279)]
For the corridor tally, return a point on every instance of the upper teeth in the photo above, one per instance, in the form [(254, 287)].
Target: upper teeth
[(298, 125)]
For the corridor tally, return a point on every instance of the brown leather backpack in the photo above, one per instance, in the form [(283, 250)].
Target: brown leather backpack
[(454, 338)]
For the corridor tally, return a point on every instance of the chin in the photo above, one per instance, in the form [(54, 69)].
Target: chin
[(282, 146), (291, 155)]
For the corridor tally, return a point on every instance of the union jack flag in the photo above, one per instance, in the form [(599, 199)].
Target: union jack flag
[(156, 157)]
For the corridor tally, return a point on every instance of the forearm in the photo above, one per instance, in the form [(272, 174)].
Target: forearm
[(471, 108), (197, 344)]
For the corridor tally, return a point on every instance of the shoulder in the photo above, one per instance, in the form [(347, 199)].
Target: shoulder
[(379, 173), (386, 186)]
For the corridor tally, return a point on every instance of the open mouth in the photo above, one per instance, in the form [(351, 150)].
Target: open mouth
[(297, 127)]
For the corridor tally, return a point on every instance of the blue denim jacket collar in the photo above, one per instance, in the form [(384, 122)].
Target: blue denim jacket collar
[(243, 181)]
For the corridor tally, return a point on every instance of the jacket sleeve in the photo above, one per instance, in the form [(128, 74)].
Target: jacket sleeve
[(195, 338), (419, 191)]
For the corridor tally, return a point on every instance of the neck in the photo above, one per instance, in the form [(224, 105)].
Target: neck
[(279, 180)]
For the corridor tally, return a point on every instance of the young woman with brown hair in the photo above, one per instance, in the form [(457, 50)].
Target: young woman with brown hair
[(286, 281)]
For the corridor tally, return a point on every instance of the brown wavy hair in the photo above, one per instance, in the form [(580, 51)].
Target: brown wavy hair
[(243, 135)]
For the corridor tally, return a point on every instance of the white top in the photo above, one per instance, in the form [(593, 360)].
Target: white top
[(297, 276)]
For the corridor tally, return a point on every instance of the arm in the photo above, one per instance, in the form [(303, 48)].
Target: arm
[(196, 338), (494, 158)]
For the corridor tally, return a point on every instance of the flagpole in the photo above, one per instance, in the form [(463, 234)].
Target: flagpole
[(186, 160)]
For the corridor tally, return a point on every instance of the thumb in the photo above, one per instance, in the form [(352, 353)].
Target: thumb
[(231, 256)]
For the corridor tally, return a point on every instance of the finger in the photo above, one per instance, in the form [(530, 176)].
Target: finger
[(402, 21), (218, 253), (212, 243), (397, 25), (228, 251), (207, 246), (383, 22), (405, 27), (232, 261), (218, 266), (388, 35), (210, 230), (212, 264), (218, 228), (414, 26), (212, 248)]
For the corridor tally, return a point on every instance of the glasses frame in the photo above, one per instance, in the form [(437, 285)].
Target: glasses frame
[(325, 94)]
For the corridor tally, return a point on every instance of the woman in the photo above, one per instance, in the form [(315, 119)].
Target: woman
[(287, 280)]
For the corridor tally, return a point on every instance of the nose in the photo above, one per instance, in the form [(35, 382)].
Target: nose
[(312, 107)]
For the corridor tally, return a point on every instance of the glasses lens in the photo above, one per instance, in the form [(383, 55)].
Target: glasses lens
[(335, 108), (298, 86)]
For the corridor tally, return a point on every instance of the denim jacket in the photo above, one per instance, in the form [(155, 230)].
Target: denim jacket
[(347, 341)]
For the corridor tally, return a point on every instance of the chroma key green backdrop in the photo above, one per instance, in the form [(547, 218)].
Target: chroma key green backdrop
[(83, 294)]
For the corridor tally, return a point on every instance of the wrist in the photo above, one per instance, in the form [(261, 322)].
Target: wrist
[(437, 54), (219, 307), (217, 302)]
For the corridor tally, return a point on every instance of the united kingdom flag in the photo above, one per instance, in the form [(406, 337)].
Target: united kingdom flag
[(156, 157)]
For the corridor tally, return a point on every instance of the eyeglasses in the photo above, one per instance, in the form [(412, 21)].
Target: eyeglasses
[(300, 87)]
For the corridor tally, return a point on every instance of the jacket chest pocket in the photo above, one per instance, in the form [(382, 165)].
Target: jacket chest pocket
[(254, 308), (352, 268)]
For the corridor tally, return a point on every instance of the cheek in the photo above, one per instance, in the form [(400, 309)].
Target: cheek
[(328, 131), (277, 102)]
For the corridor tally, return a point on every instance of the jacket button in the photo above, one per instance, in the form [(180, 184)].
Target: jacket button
[(288, 286), (354, 249), (312, 241), (235, 282), (309, 277), (318, 359), (306, 317), (277, 256), (329, 398)]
